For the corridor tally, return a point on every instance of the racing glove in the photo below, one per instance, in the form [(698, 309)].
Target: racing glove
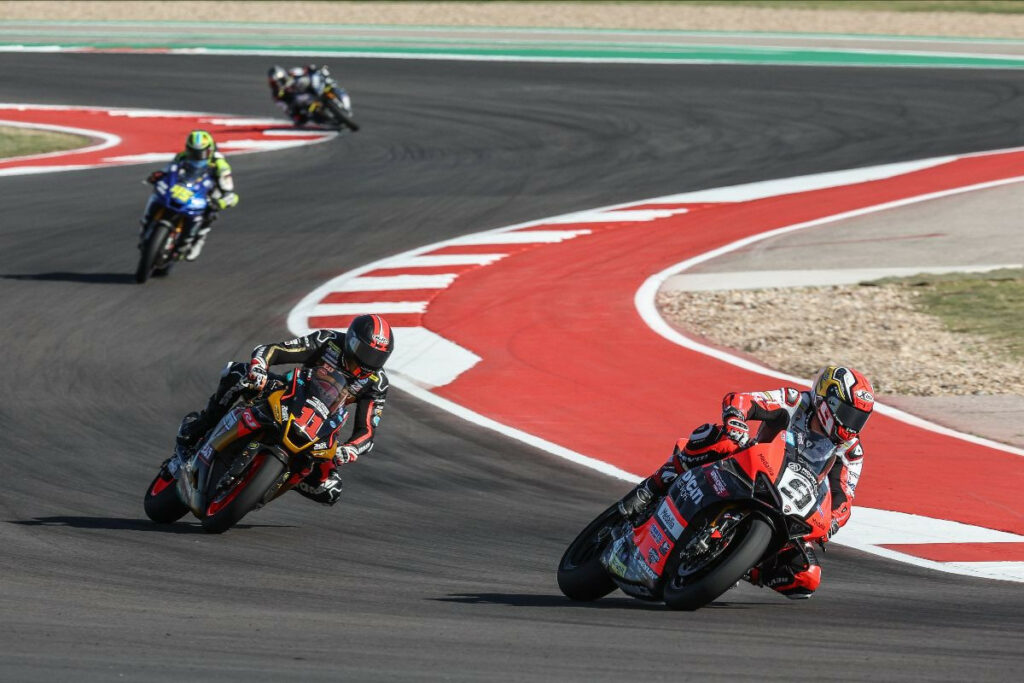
[(344, 455), (227, 201), (736, 427), (257, 376), (154, 177)]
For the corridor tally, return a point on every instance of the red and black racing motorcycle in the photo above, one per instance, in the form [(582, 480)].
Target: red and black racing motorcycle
[(260, 450), (715, 524)]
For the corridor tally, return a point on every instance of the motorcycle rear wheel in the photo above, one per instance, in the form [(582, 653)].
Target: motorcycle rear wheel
[(745, 550), (581, 576), (229, 507), (162, 503), (150, 251)]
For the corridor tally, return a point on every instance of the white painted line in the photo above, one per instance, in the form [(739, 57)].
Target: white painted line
[(1004, 571), (261, 145), (427, 359), (248, 122), (524, 237), (141, 158), (770, 279), (805, 183), (886, 527), (36, 170), (371, 307), (392, 282), (639, 215), (434, 260)]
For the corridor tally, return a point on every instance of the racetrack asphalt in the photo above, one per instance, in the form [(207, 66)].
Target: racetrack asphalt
[(439, 563)]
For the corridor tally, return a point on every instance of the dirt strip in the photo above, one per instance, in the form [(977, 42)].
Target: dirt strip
[(629, 15)]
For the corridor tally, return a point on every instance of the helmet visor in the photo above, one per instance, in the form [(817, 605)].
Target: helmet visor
[(847, 416), (365, 355)]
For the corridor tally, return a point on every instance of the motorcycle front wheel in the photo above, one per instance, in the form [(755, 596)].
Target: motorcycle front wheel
[(226, 508), (581, 576), (162, 503), (150, 252), (722, 570), (339, 114)]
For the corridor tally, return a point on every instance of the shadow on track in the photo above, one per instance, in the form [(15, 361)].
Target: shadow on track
[(124, 524), (554, 600), (89, 278)]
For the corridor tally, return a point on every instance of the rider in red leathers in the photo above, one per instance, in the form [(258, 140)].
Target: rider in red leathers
[(838, 405)]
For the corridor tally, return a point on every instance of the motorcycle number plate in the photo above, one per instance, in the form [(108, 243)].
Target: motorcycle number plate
[(181, 193), (798, 493)]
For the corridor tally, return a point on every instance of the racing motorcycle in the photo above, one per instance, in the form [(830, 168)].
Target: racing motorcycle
[(330, 103), (181, 197), (260, 450), (715, 524)]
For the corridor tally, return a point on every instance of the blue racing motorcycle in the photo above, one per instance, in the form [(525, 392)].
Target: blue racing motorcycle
[(181, 198)]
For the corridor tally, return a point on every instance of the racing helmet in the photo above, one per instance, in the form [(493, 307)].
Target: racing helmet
[(199, 147), (278, 78), (369, 342), (843, 400)]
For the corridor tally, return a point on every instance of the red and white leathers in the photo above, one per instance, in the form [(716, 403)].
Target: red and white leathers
[(797, 573)]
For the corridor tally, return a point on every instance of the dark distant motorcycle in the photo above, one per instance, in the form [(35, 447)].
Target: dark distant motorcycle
[(258, 452), (715, 523), (181, 197), (325, 102)]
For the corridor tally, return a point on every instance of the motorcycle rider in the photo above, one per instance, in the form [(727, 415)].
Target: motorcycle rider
[(838, 405), (201, 153), (292, 90), (354, 358)]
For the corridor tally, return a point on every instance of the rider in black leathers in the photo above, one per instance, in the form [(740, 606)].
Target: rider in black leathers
[(357, 355)]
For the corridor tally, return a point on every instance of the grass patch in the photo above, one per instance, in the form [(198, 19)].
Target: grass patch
[(18, 142), (980, 6), (987, 304)]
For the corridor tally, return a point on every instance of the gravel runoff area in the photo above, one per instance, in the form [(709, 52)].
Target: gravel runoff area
[(626, 15), (873, 328)]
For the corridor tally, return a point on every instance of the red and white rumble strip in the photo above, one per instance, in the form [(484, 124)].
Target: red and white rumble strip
[(135, 136), (521, 329)]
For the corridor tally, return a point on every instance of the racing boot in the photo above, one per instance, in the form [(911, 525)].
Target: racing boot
[(795, 572), (324, 488), (197, 245)]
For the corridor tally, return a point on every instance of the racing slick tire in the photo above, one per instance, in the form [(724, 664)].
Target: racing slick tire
[(150, 251), (746, 550), (162, 503), (225, 509), (581, 576), (339, 114)]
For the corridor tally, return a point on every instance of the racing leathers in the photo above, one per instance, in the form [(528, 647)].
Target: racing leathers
[(324, 351), (300, 92), (223, 195), (795, 571)]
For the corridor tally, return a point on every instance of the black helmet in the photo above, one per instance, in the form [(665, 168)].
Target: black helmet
[(369, 342)]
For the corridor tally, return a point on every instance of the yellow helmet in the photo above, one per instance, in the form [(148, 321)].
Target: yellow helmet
[(199, 148)]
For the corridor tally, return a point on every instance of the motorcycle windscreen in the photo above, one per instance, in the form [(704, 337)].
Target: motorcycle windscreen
[(814, 451)]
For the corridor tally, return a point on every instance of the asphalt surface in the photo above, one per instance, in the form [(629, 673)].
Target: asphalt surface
[(439, 563)]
